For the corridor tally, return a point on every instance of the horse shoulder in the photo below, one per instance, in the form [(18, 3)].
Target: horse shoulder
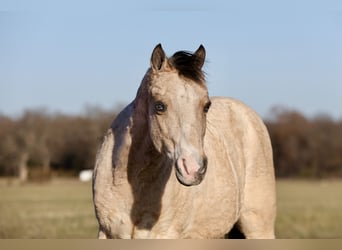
[(257, 181), (110, 184)]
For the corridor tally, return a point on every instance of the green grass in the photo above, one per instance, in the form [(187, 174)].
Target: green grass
[(64, 209)]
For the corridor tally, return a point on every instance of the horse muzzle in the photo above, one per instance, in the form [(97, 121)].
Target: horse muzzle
[(190, 171)]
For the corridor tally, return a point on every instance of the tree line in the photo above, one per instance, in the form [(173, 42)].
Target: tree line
[(305, 147), (38, 145)]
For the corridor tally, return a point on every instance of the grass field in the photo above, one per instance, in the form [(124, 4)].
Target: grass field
[(309, 209), (59, 209), (63, 209)]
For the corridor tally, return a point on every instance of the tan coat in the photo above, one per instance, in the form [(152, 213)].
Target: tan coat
[(144, 160)]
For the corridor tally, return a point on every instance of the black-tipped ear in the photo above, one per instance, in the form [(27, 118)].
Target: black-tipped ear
[(158, 58), (200, 56)]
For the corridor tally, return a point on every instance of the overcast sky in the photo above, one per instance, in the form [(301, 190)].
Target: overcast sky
[(69, 54)]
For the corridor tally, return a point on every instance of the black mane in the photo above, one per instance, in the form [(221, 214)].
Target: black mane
[(188, 65)]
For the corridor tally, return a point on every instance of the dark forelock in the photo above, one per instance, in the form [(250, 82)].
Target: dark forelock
[(187, 65)]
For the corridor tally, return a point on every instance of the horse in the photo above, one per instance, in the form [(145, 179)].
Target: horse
[(176, 163)]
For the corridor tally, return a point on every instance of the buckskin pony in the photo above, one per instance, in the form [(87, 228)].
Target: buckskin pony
[(177, 163)]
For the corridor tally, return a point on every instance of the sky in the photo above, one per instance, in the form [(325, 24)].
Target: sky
[(66, 55)]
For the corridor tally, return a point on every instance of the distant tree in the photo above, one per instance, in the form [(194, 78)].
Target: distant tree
[(38, 142), (8, 147), (305, 147)]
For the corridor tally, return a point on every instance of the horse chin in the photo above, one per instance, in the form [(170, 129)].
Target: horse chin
[(188, 181)]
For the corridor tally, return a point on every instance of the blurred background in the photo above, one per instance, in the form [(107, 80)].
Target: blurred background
[(67, 69)]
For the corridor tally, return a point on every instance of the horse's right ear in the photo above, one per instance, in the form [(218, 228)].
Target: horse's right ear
[(158, 58)]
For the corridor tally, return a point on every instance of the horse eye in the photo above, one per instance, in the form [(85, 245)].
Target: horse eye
[(160, 107), (206, 107)]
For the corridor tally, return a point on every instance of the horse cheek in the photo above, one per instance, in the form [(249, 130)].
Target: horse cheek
[(156, 132)]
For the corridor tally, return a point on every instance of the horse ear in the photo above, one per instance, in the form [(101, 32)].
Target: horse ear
[(158, 58), (200, 56)]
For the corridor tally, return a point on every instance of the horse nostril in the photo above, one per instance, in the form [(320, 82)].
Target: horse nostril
[(202, 170), (204, 164)]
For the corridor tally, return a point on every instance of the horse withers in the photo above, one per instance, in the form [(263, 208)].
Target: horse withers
[(177, 163)]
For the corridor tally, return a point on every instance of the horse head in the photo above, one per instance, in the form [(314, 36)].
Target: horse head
[(178, 103)]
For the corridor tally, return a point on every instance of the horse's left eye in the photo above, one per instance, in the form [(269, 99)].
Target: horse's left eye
[(206, 107)]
